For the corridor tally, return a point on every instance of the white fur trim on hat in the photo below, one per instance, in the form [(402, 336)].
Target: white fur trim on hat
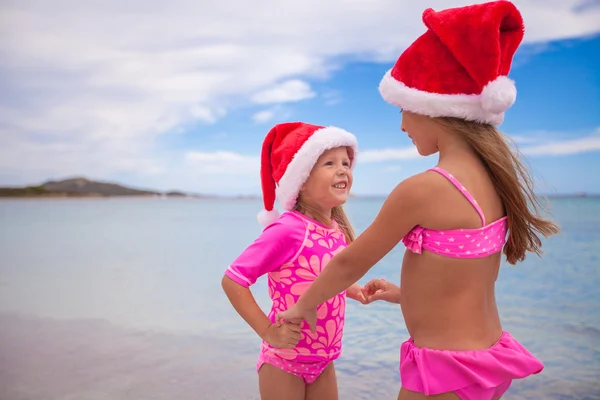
[(498, 95), (299, 168), (488, 107), (265, 217)]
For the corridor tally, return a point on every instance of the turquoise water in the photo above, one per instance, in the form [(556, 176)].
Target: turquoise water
[(121, 299)]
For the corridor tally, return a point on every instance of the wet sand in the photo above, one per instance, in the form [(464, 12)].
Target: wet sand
[(91, 360), (44, 359)]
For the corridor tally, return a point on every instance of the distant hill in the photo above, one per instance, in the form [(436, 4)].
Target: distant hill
[(83, 187)]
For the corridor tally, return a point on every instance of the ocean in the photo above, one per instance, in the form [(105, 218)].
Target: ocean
[(117, 299)]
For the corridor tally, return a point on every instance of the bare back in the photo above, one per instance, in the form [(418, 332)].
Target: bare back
[(449, 303)]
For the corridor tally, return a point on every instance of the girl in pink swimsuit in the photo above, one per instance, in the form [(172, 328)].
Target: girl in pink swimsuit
[(457, 219), (309, 169)]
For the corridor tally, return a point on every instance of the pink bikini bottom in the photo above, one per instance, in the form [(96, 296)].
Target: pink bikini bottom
[(308, 371), (471, 374)]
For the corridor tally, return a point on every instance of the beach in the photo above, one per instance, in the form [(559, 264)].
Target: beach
[(121, 299)]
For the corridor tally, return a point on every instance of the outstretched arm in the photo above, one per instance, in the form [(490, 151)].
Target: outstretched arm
[(400, 213), (380, 289)]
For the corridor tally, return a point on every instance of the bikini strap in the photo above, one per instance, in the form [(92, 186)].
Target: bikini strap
[(462, 189)]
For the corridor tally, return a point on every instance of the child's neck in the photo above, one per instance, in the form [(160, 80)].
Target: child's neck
[(323, 216)]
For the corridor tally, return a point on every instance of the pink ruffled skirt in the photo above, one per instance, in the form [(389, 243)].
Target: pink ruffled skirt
[(471, 374)]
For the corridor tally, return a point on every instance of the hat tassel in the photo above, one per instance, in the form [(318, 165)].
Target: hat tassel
[(265, 217)]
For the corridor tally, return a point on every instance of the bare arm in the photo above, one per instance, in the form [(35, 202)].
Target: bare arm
[(282, 336), (400, 213), (243, 301)]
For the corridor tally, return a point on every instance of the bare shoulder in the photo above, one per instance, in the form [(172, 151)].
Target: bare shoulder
[(417, 190), (404, 208)]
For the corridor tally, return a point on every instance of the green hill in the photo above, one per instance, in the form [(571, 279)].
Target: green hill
[(81, 187)]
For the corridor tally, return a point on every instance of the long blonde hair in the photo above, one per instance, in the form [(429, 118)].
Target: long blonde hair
[(337, 214), (513, 184)]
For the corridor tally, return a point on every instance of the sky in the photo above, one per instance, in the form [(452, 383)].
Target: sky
[(179, 95)]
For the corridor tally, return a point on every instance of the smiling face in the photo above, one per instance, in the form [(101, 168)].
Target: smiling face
[(330, 180), (422, 130)]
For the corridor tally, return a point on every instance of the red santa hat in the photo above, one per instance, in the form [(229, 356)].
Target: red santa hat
[(459, 67), (289, 152)]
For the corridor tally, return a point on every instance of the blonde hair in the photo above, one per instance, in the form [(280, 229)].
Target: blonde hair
[(513, 184), (337, 214)]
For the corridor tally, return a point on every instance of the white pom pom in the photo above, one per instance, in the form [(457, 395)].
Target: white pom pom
[(498, 95), (267, 217)]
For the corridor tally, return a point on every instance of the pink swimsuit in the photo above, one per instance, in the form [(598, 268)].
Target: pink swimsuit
[(459, 243), (293, 251), (476, 374)]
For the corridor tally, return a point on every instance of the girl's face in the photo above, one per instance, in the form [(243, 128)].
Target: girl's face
[(422, 130), (330, 180)]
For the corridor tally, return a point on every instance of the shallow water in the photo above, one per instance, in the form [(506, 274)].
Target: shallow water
[(121, 299)]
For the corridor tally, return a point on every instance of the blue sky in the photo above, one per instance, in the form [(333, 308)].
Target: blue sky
[(182, 98)]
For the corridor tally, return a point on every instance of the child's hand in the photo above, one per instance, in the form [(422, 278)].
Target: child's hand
[(380, 289), (296, 314), (356, 292), (283, 335)]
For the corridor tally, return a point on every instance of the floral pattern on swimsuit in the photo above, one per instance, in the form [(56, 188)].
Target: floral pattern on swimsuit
[(292, 252)]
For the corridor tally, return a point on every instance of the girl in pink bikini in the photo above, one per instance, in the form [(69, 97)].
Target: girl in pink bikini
[(309, 169), (457, 219)]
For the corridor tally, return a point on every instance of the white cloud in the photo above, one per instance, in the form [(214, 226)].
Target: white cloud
[(392, 168), (565, 147), (520, 139), (88, 87), (222, 163), (585, 5), (286, 92), (390, 154), (332, 97), (263, 116), (274, 114)]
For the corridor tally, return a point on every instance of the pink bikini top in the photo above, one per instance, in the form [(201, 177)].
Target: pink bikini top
[(459, 243)]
